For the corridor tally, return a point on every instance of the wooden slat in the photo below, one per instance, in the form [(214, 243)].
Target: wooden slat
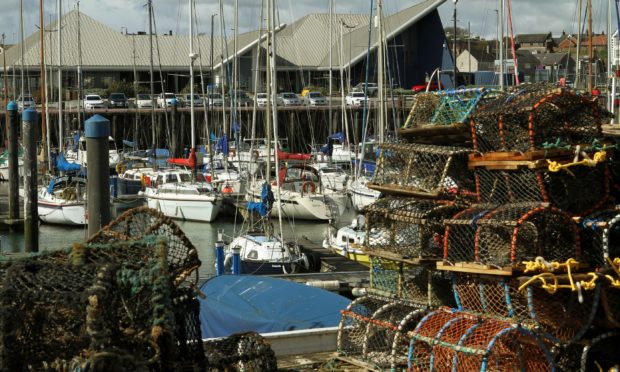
[(474, 268), (381, 253)]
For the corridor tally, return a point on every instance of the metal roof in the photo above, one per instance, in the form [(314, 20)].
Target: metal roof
[(302, 44)]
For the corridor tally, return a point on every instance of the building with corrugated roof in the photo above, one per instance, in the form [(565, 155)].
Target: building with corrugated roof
[(414, 49)]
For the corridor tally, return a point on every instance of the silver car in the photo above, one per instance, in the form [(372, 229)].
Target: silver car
[(288, 99), (315, 99)]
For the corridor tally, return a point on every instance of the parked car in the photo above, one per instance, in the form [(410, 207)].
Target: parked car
[(93, 101), (261, 99), (198, 101), (243, 99), (372, 88), (144, 100), (288, 99), (215, 100), (315, 99), (354, 99), (433, 86), (118, 100), (26, 102), (165, 99), (181, 101)]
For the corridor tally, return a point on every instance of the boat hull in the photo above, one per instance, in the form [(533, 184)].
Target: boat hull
[(187, 210), (266, 268), (62, 214)]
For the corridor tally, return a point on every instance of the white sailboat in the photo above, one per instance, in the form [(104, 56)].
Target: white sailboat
[(63, 201)]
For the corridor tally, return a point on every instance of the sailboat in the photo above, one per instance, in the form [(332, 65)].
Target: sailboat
[(262, 249)]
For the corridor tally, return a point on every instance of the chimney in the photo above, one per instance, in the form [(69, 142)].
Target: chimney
[(170, 32)]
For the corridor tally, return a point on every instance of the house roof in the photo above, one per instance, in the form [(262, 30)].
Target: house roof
[(550, 59), (525, 56), (533, 38)]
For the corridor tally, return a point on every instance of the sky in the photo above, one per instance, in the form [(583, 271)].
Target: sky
[(529, 16)]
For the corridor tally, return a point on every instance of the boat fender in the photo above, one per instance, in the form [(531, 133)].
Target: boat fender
[(227, 189), (147, 181), (120, 168), (228, 261), (305, 262), (308, 185)]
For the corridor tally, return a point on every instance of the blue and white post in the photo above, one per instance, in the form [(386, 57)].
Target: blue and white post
[(31, 212), (97, 131), (236, 261), (219, 258)]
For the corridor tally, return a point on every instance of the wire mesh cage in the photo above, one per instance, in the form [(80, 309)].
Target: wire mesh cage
[(407, 227), (425, 171), (610, 304), (454, 340), (105, 314), (240, 352), (601, 353), (600, 234), (508, 235), (534, 117), (415, 284), (495, 297), (446, 107), (375, 330), (562, 189)]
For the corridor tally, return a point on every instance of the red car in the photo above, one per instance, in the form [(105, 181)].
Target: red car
[(422, 87)]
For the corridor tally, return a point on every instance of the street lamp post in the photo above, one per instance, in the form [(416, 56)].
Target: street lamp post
[(455, 83)]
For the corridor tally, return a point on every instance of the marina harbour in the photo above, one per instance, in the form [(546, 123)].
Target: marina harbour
[(338, 186)]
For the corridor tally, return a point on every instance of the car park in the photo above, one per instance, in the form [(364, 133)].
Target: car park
[(372, 88), (215, 100), (198, 101), (243, 99), (165, 99), (93, 101), (288, 99), (26, 102), (315, 99), (354, 99), (144, 100), (118, 100), (261, 99)]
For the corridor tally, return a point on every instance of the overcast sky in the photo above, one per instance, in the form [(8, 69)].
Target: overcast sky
[(529, 16)]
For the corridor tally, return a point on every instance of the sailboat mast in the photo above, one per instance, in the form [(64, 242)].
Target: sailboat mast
[(42, 82), (590, 54), (6, 87), (331, 22), (578, 44), (79, 69), (60, 121), (21, 50), (151, 83), (380, 68), (268, 91), (192, 57)]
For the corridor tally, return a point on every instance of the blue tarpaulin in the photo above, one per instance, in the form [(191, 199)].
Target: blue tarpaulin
[(264, 206), (222, 145), (64, 166), (338, 136), (243, 303)]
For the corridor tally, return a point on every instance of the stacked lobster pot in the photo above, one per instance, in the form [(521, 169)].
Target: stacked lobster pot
[(510, 196)]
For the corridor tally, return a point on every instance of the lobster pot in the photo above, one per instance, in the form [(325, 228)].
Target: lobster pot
[(374, 329), (443, 108), (600, 236), (563, 316), (533, 119), (460, 233), (191, 353), (460, 341), (601, 353), (240, 352), (514, 233), (495, 297), (610, 304), (407, 227), (562, 189), (65, 314), (422, 109), (415, 284), (424, 171)]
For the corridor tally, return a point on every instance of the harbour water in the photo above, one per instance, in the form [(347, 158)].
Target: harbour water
[(202, 235)]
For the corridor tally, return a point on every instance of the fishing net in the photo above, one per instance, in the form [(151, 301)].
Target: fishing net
[(601, 353), (600, 236), (536, 118), (510, 234), (454, 340), (425, 171), (105, 314), (422, 110), (415, 284), (582, 190), (240, 352), (375, 330), (407, 227)]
